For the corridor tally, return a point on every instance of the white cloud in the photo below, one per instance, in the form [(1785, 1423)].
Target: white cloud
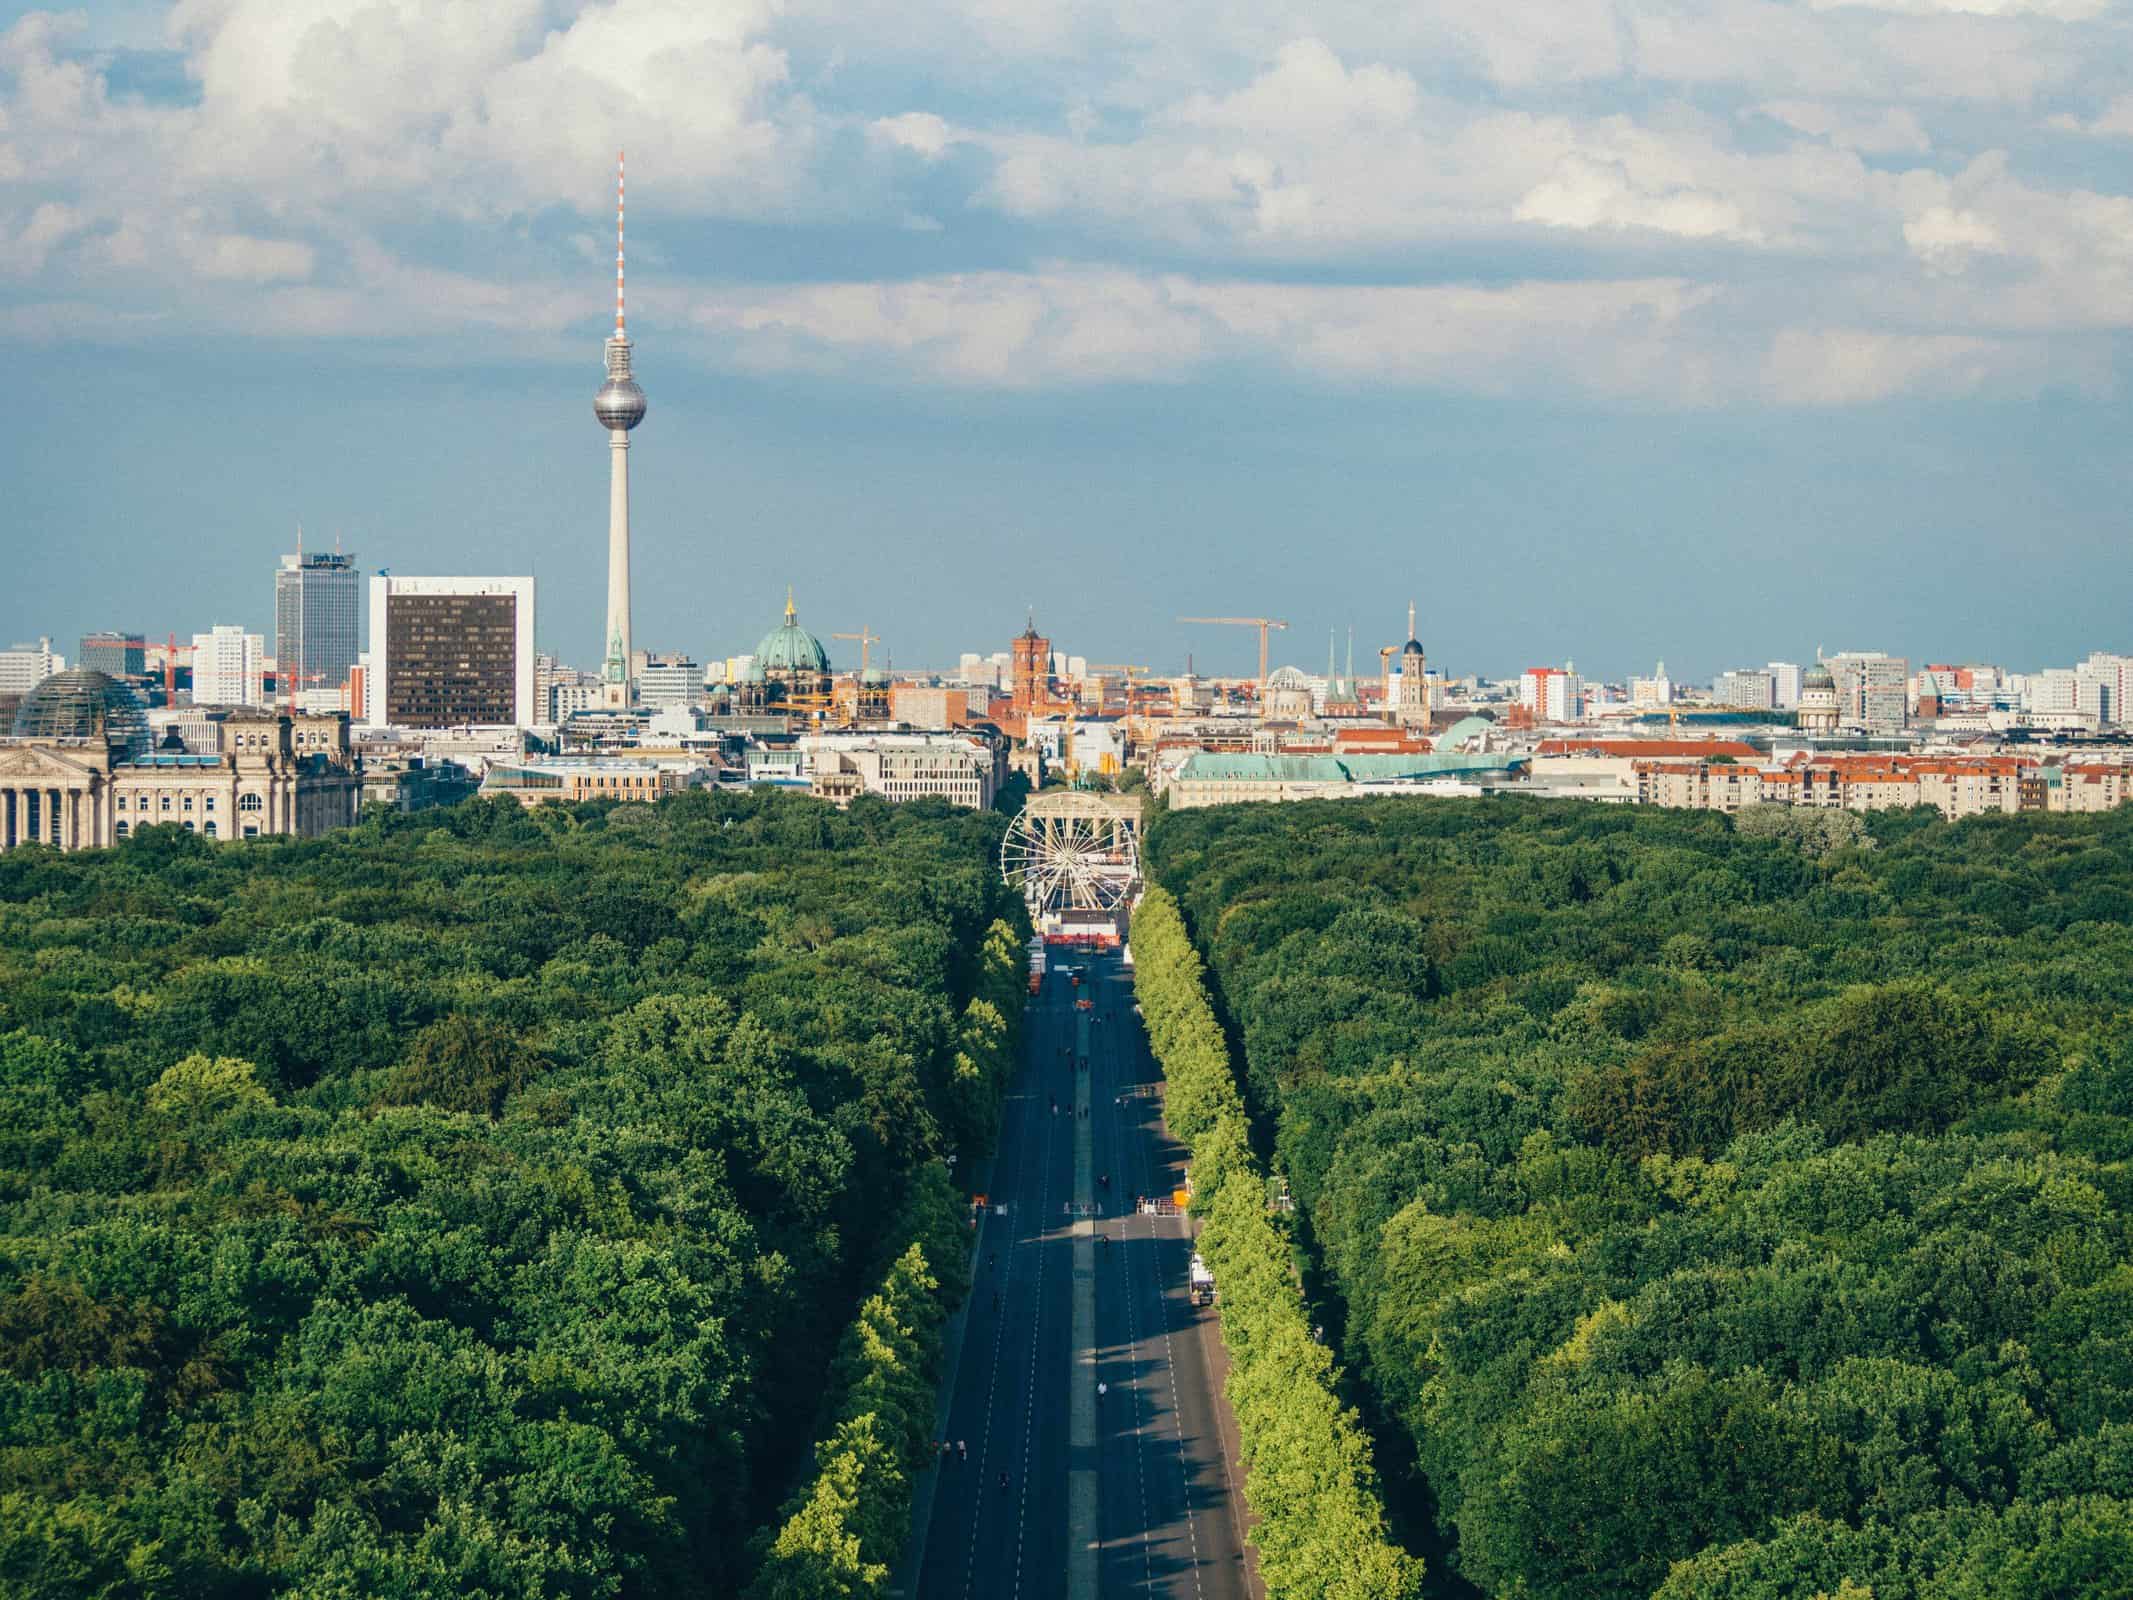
[(2114, 122), (1895, 130), (919, 131), (23, 249), (1738, 198), (1946, 238), (1587, 193), (1854, 366), (2054, 10)]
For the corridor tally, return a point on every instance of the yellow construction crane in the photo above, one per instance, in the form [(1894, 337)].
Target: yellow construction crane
[(866, 641), (1263, 624)]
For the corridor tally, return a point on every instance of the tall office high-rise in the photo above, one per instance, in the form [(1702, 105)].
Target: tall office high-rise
[(619, 406), (318, 609), (451, 653), (1873, 690), (123, 655)]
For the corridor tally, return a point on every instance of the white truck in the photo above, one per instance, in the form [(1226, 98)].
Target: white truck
[(1200, 1282)]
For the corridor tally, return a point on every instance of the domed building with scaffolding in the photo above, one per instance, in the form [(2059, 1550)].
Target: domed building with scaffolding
[(790, 672)]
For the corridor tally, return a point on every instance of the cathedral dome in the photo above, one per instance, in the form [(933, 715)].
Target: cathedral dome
[(789, 649), (85, 704), (1817, 677)]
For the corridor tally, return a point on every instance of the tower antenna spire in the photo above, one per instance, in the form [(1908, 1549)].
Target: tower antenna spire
[(618, 247)]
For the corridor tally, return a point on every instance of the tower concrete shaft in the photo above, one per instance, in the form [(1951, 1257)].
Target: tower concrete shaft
[(619, 407), (615, 671)]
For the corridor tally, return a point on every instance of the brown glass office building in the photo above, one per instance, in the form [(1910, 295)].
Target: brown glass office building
[(455, 652)]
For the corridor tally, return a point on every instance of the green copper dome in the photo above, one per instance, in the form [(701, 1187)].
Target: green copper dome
[(790, 648)]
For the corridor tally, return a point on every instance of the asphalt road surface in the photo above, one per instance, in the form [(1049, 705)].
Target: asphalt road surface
[(1169, 1512)]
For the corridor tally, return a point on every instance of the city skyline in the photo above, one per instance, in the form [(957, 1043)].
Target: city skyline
[(1117, 416)]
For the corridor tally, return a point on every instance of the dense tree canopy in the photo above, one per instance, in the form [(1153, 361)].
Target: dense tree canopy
[(1722, 1212), (472, 1202)]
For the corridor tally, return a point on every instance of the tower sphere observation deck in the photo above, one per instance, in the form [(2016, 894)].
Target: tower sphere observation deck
[(620, 402)]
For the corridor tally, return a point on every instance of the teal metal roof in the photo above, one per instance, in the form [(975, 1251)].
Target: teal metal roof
[(1462, 730), (1213, 767)]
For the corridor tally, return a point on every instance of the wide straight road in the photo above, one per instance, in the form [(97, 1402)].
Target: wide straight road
[(1172, 1509), (1167, 1512), (999, 1511)]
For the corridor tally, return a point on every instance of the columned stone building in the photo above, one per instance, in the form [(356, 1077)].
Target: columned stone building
[(78, 773)]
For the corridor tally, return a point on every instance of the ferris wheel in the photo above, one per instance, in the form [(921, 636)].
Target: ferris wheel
[(1073, 851)]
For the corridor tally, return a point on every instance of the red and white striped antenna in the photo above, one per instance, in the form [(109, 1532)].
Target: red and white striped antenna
[(618, 246)]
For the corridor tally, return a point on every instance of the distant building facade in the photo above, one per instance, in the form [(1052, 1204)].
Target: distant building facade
[(1745, 689), (121, 655), (1873, 690), (79, 772), (958, 768), (451, 652), (670, 680), (1818, 710), (1552, 694), (318, 602), (1414, 705), (24, 666), (569, 780), (1031, 668), (228, 666)]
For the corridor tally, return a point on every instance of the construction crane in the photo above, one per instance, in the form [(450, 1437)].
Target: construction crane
[(1385, 654), (1133, 670), (1263, 624), (1129, 668), (866, 640)]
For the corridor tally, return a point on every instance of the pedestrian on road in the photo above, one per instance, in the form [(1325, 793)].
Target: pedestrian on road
[(1102, 1389), (1003, 1480), (962, 1451)]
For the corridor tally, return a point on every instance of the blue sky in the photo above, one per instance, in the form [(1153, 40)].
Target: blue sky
[(1715, 330)]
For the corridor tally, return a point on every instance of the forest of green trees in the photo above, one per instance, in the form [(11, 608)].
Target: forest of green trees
[(488, 1202), (1705, 1210)]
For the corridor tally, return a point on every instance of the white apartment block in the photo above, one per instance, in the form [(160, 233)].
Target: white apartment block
[(1552, 694), (2092, 788), (228, 664), (670, 681), (1655, 693), (901, 766), (27, 665), (1746, 689), (1873, 690)]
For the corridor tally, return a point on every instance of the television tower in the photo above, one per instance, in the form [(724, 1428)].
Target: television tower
[(620, 407)]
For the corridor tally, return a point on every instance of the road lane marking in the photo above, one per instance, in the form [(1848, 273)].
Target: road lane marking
[(979, 1496)]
